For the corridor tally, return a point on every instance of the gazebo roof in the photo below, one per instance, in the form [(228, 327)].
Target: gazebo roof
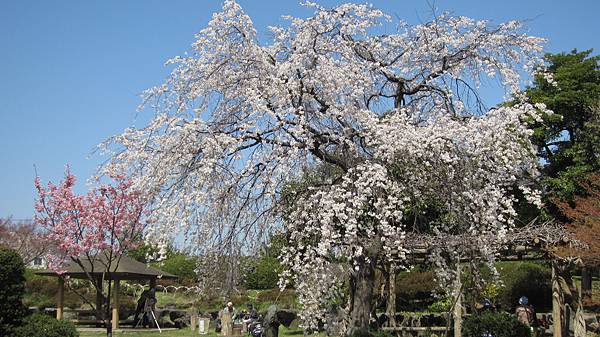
[(127, 269)]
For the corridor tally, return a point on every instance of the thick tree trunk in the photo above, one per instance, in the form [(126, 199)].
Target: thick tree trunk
[(362, 282)]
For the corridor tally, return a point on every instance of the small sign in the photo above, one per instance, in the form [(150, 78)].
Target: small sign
[(203, 325)]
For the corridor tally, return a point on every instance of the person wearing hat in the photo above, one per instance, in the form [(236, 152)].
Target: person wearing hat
[(227, 315), (525, 313)]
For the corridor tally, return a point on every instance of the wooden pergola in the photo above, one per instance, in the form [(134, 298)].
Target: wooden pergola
[(532, 242), (127, 269)]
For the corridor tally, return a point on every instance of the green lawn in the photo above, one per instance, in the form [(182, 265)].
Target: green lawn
[(187, 332)]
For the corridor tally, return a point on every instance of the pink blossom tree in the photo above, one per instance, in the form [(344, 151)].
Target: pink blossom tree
[(92, 230), (25, 237)]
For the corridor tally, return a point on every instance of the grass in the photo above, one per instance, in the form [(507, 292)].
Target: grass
[(187, 332)]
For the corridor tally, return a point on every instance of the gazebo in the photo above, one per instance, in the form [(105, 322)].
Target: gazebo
[(127, 269)]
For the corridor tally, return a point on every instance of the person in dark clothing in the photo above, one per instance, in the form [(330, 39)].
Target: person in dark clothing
[(145, 305), (251, 313)]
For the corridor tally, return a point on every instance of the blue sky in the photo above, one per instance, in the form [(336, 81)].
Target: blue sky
[(71, 71)]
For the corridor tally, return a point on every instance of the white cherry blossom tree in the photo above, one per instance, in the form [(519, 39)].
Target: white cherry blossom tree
[(397, 116)]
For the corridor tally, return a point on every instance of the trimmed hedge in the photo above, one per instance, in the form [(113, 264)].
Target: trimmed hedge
[(525, 279), (12, 289), (40, 325), (496, 324)]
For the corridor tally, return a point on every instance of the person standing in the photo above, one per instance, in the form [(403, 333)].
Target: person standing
[(145, 304), (227, 316), (526, 313)]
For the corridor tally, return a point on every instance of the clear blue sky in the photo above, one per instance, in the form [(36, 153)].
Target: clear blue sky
[(70, 71)]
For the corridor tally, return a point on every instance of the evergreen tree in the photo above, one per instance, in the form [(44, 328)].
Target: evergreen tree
[(568, 141)]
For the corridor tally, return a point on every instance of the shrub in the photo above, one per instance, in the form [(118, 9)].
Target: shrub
[(497, 324), (40, 325), (12, 289), (443, 305), (40, 291), (525, 279), (414, 290)]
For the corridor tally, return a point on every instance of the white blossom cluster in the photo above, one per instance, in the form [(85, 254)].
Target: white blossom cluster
[(398, 114)]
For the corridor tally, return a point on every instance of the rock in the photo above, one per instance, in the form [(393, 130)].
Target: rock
[(164, 319), (181, 322), (276, 317)]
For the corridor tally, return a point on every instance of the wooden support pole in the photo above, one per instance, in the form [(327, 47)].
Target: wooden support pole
[(391, 302), (60, 298), (115, 308), (152, 283), (458, 304), (586, 283), (557, 303)]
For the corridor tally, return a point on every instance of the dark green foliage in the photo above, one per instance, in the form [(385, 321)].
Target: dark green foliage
[(180, 264), (40, 325), (498, 324), (569, 140), (12, 289), (263, 273), (524, 279)]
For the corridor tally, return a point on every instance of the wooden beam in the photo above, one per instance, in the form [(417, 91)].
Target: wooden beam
[(416, 328), (60, 298), (115, 308)]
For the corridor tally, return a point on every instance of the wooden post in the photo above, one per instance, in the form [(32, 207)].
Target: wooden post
[(193, 322), (152, 283), (391, 302), (458, 303), (60, 298), (586, 283), (557, 303), (579, 327), (115, 308)]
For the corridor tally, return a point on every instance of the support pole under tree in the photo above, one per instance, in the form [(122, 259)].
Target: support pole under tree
[(391, 302), (557, 303), (458, 303), (115, 308), (586, 283), (60, 298)]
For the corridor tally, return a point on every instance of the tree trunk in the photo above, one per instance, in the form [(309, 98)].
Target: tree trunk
[(362, 282)]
